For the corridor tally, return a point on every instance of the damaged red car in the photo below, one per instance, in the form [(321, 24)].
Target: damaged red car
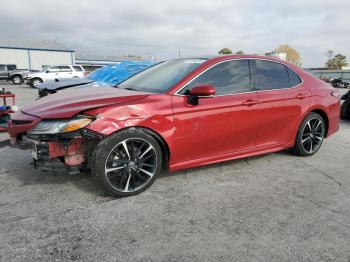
[(178, 114)]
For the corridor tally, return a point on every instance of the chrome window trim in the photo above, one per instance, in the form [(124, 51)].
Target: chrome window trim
[(252, 91)]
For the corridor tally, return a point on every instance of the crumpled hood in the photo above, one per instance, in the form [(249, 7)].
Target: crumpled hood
[(70, 102)]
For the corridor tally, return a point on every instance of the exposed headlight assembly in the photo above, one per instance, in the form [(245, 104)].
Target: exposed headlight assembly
[(47, 127)]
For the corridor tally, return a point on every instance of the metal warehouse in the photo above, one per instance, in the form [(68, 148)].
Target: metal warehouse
[(34, 55)]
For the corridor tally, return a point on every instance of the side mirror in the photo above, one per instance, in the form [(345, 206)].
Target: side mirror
[(47, 71), (200, 91)]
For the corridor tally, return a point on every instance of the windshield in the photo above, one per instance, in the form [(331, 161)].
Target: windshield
[(162, 76)]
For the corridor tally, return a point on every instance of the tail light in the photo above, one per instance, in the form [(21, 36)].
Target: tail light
[(335, 93)]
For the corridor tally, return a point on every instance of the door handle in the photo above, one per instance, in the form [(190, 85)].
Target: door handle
[(250, 102), (301, 96)]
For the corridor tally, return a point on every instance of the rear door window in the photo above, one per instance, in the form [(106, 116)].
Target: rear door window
[(272, 75), (11, 67), (77, 68)]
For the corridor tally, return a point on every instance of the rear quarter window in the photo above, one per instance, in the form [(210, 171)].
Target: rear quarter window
[(294, 79)]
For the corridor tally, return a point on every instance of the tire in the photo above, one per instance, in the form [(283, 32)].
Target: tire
[(35, 82), (133, 158), (310, 136), (345, 110), (17, 80)]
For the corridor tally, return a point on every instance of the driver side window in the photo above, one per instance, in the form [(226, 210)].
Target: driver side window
[(53, 69), (227, 78)]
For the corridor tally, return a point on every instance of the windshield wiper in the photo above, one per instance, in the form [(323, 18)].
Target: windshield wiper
[(129, 88)]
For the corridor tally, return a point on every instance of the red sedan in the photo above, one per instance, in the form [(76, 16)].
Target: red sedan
[(179, 114)]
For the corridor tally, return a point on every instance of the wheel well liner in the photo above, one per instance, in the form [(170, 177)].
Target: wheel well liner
[(16, 75)]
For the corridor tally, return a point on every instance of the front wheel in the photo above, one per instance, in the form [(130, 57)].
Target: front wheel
[(128, 162), (36, 82), (310, 135)]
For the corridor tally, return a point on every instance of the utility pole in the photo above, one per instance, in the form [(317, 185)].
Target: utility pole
[(149, 54), (179, 53)]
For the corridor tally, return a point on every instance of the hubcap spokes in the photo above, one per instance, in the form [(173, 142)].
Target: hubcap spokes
[(312, 135), (130, 165)]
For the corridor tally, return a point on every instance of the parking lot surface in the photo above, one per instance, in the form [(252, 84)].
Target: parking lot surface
[(274, 207)]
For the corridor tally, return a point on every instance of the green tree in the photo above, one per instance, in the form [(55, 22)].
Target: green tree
[(225, 51), (239, 52), (337, 62), (292, 55)]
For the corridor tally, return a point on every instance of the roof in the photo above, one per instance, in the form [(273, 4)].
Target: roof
[(90, 57), (46, 45)]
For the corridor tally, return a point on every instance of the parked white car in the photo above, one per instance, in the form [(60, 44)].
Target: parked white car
[(53, 73)]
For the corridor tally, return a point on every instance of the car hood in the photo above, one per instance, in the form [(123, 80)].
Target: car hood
[(64, 83), (70, 102)]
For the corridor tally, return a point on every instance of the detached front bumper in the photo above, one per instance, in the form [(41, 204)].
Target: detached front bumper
[(67, 151), (68, 155)]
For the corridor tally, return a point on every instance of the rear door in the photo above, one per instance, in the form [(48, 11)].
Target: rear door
[(283, 100), (221, 124), (78, 71)]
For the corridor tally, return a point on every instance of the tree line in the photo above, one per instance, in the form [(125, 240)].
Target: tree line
[(292, 55)]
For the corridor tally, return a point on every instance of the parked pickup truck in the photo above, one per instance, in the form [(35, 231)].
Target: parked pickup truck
[(10, 72), (55, 73)]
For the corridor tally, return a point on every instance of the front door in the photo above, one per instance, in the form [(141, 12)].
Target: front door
[(221, 124)]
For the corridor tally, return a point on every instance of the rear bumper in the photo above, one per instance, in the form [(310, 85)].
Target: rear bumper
[(333, 118)]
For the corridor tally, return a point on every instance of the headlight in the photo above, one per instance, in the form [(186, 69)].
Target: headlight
[(60, 126)]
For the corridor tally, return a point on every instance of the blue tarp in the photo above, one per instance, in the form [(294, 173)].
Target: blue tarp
[(116, 73)]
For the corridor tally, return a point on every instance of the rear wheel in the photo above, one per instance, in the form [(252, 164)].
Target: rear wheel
[(128, 162), (17, 80), (310, 135)]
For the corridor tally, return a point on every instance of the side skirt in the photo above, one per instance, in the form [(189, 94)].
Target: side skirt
[(229, 156)]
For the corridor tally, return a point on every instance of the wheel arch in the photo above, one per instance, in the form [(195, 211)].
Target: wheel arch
[(324, 115), (160, 139), (14, 75)]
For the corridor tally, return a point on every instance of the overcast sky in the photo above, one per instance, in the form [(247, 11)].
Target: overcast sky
[(197, 27)]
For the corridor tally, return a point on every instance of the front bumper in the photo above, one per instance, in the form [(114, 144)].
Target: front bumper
[(55, 155)]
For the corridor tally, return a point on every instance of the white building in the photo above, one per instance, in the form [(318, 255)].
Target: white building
[(34, 55), (282, 56)]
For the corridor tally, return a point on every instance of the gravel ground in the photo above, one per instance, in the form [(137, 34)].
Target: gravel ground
[(275, 207)]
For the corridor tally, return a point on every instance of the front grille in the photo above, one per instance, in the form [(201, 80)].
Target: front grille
[(21, 122)]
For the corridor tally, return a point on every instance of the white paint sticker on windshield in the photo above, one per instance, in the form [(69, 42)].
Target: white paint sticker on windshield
[(194, 61)]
